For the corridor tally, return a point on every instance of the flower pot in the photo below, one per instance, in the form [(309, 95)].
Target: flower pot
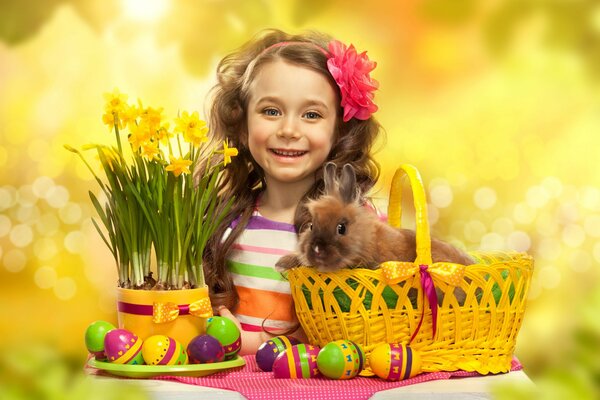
[(179, 314)]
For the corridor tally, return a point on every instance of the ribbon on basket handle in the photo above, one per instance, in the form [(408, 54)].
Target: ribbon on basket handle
[(395, 271), (450, 273)]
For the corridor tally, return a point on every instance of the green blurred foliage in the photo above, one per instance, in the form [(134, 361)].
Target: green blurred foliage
[(39, 372)]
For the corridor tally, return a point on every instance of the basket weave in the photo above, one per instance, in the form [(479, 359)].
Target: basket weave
[(371, 307)]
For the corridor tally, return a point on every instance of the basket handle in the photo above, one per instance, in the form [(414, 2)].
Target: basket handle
[(423, 236)]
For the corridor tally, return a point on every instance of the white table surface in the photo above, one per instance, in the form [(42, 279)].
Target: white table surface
[(457, 388)]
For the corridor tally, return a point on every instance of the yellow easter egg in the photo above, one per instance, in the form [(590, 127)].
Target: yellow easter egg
[(163, 350), (395, 362)]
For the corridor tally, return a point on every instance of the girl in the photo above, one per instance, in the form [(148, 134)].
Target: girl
[(289, 103)]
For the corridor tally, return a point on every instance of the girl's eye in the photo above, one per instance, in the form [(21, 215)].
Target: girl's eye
[(271, 112), (312, 115)]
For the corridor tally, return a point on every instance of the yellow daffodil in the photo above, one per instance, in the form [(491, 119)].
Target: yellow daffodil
[(228, 152), (179, 166), (152, 117), (108, 118), (163, 134), (150, 150), (194, 129), (139, 135), (115, 101)]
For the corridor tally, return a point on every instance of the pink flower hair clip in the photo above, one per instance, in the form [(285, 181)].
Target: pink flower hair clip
[(351, 73)]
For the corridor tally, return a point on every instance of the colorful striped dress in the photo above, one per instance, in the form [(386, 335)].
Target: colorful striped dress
[(264, 295)]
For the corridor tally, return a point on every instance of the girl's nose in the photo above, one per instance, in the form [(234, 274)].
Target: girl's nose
[(288, 129)]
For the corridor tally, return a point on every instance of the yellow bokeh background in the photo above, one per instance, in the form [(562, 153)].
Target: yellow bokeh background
[(496, 103)]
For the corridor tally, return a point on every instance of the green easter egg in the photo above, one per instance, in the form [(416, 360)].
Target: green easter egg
[(227, 333), (94, 335)]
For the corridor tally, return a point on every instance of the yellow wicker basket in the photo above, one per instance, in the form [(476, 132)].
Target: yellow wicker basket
[(371, 307)]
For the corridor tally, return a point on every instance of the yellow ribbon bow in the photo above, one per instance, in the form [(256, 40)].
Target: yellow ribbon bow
[(398, 271), (167, 312)]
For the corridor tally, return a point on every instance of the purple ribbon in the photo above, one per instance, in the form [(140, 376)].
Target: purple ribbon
[(145, 309), (429, 291)]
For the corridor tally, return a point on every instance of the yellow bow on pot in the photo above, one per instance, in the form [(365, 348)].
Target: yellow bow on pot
[(167, 312)]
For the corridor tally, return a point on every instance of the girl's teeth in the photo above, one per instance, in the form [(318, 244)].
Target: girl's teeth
[(288, 153)]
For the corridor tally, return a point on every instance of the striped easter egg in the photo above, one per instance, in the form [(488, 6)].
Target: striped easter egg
[(163, 350), (123, 347), (395, 362), (269, 350), (299, 361)]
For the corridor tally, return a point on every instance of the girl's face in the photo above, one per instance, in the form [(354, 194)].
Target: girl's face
[(291, 121)]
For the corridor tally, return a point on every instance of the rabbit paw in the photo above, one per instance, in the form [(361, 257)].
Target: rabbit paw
[(287, 262)]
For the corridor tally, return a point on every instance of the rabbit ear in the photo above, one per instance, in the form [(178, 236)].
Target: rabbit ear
[(348, 189), (329, 178)]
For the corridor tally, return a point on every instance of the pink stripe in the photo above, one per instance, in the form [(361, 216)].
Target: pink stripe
[(170, 351), (146, 309), (263, 250), (251, 328)]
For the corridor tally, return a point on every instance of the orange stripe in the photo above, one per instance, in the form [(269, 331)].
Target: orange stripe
[(265, 304)]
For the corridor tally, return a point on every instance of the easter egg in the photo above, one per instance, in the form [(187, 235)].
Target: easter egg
[(205, 349), (163, 350), (227, 333), (269, 350), (361, 356), (94, 337), (395, 362), (341, 359), (123, 347), (299, 361)]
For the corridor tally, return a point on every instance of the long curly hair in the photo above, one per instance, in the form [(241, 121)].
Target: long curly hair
[(244, 178)]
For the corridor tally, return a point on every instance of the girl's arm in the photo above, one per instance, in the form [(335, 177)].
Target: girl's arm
[(251, 341)]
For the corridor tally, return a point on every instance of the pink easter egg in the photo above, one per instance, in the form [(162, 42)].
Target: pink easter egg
[(123, 347), (299, 361)]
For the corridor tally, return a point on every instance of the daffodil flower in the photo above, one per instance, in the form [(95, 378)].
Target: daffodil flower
[(139, 135), (194, 129), (227, 152), (115, 101), (179, 166), (150, 150)]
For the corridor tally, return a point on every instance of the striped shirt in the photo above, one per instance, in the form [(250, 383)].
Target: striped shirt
[(264, 295)]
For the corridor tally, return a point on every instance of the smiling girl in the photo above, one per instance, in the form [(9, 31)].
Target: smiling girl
[(289, 103)]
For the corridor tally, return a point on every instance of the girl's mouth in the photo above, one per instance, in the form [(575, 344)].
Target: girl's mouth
[(288, 153)]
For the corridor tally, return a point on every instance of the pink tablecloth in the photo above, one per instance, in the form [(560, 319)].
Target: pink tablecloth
[(253, 383)]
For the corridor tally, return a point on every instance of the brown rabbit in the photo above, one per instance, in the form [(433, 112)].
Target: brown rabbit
[(343, 233)]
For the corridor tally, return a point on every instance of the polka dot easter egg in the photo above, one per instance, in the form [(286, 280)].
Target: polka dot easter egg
[(123, 347), (394, 362), (341, 359), (94, 338), (205, 349), (163, 350), (269, 350), (299, 361), (227, 333)]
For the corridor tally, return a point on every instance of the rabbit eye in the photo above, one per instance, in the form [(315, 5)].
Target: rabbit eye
[(341, 229), (310, 226)]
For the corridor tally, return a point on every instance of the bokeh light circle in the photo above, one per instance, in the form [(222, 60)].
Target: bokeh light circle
[(21, 235), (14, 260), (485, 198), (549, 277), (5, 225), (441, 195), (45, 277), (65, 288)]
